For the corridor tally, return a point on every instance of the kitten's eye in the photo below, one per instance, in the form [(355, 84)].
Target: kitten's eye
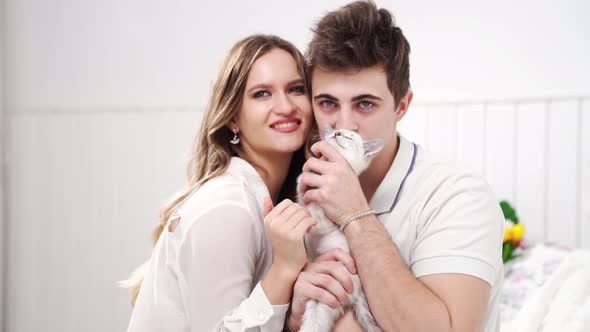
[(261, 93), (299, 90)]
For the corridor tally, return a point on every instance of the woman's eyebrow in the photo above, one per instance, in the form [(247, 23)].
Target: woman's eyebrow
[(259, 86), (267, 86), (296, 81)]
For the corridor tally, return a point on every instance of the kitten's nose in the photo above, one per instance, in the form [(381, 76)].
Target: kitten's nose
[(337, 133)]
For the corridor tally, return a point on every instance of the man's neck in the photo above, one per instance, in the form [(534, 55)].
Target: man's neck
[(372, 177)]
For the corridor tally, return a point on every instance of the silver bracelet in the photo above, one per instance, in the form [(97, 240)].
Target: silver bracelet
[(355, 217)]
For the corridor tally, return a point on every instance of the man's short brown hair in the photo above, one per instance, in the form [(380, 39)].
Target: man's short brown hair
[(361, 35)]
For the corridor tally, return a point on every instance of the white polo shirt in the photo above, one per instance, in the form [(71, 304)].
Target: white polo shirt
[(443, 218)]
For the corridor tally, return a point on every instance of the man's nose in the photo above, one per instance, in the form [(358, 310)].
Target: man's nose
[(346, 120)]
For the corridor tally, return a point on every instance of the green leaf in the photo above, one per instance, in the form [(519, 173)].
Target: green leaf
[(509, 212), (507, 250)]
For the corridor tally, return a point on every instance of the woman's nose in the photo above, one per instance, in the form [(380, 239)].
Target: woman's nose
[(284, 105)]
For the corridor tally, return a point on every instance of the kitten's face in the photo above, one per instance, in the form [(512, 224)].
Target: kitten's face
[(352, 148)]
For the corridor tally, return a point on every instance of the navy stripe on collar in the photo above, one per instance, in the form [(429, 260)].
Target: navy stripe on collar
[(401, 186)]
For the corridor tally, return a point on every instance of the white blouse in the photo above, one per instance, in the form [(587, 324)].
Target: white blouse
[(205, 275)]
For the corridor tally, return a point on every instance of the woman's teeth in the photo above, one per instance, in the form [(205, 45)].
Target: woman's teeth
[(285, 125)]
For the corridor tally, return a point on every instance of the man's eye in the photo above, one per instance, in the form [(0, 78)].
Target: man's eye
[(365, 104), (262, 93), (298, 89), (327, 104)]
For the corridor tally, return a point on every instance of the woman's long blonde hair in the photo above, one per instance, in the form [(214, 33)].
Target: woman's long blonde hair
[(212, 149)]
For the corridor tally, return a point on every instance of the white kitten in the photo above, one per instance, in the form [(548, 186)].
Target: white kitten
[(326, 235)]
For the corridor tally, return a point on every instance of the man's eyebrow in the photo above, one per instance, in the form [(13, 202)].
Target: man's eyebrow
[(326, 96), (365, 96), (355, 98)]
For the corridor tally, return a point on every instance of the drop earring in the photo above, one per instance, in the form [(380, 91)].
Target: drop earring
[(236, 139)]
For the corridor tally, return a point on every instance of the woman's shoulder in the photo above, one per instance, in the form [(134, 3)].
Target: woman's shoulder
[(218, 208), (219, 211), (236, 190), (224, 191)]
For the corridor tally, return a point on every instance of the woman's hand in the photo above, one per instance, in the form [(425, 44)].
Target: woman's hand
[(326, 279), (286, 225)]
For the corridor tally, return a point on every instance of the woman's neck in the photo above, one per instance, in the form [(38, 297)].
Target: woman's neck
[(273, 169)]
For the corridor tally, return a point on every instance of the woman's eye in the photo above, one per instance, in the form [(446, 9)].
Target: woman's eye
[(262, 93), (365, 104), (298, 89)]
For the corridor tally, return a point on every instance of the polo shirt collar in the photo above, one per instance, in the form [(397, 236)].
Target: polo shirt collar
[(387, 194)]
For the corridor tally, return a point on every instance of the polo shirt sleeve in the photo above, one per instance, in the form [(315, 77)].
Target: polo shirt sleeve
[(217, 264), (459, 230)]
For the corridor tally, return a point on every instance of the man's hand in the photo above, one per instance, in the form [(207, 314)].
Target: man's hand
[(325, 279), (332, 184)]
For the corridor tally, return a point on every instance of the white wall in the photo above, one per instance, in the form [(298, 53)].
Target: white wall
[(103, 99), (3, 127), (474, 50), (104, 54), (85, 193), (533, 153)]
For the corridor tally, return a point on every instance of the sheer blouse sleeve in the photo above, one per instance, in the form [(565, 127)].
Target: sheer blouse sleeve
[(217, 262)]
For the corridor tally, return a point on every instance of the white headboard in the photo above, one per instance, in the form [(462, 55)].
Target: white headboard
[(84, 188), (535, 153)]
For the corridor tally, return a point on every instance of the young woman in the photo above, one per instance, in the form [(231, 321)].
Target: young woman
[(221, 261)]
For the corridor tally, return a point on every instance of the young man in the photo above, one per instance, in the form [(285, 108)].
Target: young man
[(429, 257)]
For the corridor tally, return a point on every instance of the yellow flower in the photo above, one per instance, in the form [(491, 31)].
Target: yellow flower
[(507, 235), (508, 226), (517, 232)]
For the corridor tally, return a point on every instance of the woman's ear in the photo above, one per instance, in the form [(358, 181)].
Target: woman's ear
[(233, 125)]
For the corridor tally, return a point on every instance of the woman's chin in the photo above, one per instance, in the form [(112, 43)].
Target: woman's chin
[(286, 150), (288, 146)]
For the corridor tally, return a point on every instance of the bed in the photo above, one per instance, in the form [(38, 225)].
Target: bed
[(547, 289)]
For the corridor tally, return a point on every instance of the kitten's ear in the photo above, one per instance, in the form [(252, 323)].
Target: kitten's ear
[(328, 130), (372, 147)]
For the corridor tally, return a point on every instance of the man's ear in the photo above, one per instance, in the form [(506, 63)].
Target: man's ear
[(403, 105), (372, 147)]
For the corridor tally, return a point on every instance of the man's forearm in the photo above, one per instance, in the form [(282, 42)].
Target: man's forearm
[(398, 301)]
